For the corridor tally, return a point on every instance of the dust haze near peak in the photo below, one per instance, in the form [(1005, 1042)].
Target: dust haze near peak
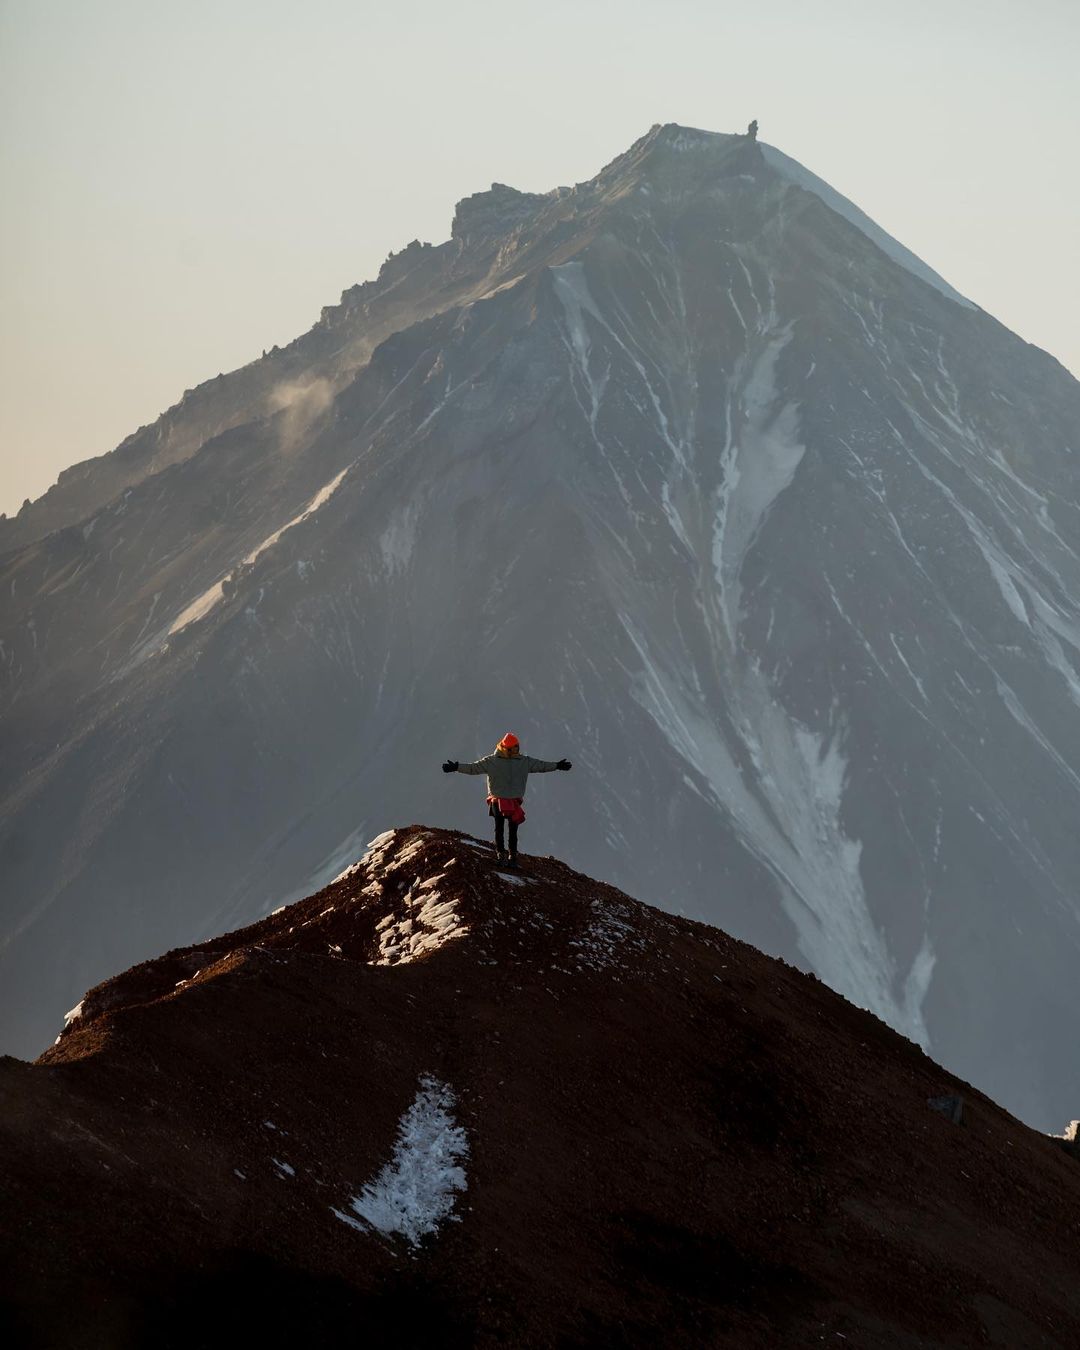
[(687, 472), (301, 402)]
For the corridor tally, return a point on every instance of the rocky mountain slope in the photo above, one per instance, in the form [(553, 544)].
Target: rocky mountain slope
[(688, 472), (441, 1104)]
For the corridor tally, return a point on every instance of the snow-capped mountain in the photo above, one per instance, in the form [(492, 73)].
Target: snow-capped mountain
[(442, 1104), (689, 473)]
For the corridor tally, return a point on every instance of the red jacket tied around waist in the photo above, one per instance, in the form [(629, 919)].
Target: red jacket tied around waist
[(510, 807)]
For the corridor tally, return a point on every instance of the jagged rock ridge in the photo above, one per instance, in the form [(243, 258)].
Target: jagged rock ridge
[(440, 1103), (679, 472)]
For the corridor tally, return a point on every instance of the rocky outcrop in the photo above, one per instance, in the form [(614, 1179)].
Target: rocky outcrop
[(493, 212)]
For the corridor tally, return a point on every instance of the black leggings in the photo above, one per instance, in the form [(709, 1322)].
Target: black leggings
[(500, 821)]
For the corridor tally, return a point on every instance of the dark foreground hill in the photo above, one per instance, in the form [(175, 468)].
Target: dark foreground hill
[(439, 1104)]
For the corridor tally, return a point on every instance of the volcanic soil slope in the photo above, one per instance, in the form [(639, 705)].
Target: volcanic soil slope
[(441, 1104)]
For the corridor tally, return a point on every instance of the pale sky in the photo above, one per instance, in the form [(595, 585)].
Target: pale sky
[(184, 184)]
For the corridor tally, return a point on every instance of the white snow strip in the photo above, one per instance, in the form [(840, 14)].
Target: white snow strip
[(415, 1191), (398, 539), (917, 982), (900, 653), (1016, 708), (759, 462), (284, 1166), (1046, 620), (1009, 593), (70, 1017), (800, 781), (794, 172), (201, 606), (1052, 628), (572, 290)]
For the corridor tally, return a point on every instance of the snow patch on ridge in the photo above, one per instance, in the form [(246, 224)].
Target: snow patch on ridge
[(794, 172), (419, 921), (429, 922), (608, 937), (415, 1191)]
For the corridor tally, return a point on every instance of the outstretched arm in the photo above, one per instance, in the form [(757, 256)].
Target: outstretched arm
[(546, 765), (477, 766)]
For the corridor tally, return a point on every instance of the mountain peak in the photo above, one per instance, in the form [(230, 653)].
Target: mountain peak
[(668, 155), (672, 150), (441, 1095), (414, 891)]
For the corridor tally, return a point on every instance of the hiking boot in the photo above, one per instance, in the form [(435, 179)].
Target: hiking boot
[(500, 855), (512, 861)]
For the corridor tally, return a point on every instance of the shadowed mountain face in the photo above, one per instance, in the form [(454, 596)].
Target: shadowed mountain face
[(689, 473), (442, 1104)]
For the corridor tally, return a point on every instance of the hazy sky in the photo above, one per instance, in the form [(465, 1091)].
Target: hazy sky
[(184, 184)]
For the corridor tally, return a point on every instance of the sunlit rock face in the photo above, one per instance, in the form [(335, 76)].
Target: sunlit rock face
[(689, 473)]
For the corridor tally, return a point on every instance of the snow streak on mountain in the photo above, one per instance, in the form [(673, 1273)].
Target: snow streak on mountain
[(689, 472)]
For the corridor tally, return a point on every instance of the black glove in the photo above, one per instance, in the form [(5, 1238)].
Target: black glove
[(564, 764), (450, 766)]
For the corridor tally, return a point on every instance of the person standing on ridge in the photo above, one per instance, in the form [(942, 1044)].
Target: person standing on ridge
[(507, 770)]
